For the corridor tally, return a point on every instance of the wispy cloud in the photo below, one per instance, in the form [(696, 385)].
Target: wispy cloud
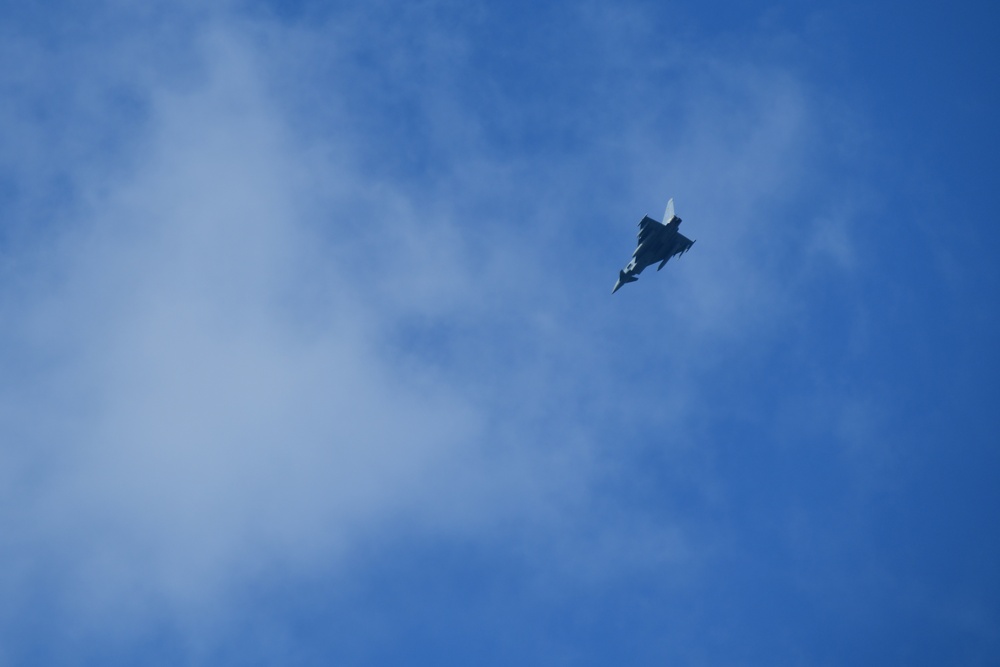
[(246, 345)]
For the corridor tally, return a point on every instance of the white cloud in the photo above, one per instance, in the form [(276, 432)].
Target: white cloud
[(214, 389), (196, 413), (220, 373)]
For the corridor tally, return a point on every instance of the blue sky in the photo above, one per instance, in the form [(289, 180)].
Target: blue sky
[(308, 354)]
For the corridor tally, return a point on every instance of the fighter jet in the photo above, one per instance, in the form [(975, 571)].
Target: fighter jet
[(658, 242)]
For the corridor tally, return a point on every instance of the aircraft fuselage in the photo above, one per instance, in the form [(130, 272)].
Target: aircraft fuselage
[(658, 242)]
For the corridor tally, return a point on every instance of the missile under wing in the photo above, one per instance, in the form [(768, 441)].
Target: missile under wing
[(658, 242)]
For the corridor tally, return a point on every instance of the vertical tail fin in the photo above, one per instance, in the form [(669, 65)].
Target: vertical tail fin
[(668, 215)]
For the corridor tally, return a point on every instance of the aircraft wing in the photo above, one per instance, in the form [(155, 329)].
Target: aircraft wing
[(646, 227), (682, 244)]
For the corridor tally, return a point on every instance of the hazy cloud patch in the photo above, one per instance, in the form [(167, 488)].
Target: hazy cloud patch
[(250, 349)]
